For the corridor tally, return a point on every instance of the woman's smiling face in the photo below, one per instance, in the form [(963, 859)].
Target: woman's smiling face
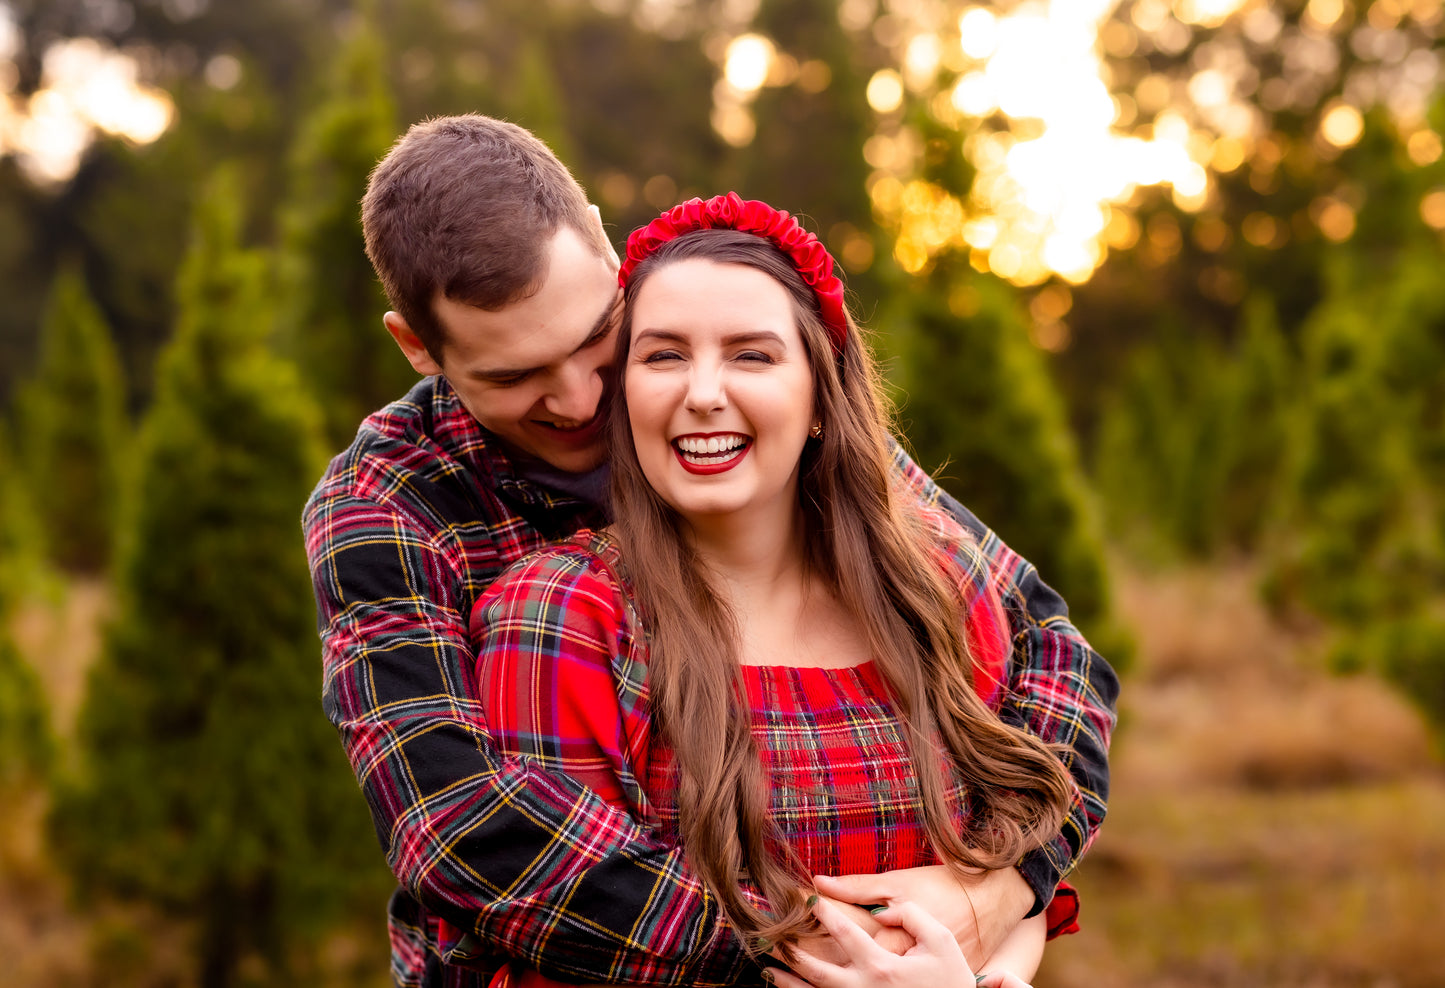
[(719, 390)]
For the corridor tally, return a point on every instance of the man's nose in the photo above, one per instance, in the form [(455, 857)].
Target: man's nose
[(575, 394)]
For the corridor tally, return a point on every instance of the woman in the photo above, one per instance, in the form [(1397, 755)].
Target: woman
[(772, 654)]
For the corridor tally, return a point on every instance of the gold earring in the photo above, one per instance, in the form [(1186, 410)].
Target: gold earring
[(816, 431)]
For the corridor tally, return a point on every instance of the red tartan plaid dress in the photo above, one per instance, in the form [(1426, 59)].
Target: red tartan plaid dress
[(562, 673)]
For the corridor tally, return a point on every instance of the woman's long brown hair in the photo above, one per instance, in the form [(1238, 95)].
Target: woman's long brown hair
[(868, 542)]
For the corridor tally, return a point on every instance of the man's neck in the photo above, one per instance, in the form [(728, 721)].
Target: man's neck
[(590, 486)]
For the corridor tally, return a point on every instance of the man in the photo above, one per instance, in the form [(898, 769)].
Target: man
[(505, 293)]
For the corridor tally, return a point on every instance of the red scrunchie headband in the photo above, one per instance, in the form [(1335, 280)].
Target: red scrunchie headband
[(731, 212)]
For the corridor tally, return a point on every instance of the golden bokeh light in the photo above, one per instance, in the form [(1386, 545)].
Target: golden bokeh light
[(85, 87), (1342, 125), (1211, 233), (1206, 13), (1051, 303), (1432, 209), (1424, 147), (885, 91), (920, 61), (1260, 229), (1334, 217), (978, 32), (748, 60), (1051, 185), (1323, 14), (734, 123)]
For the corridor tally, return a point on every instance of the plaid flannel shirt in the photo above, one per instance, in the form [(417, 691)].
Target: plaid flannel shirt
[(562, 669), (404, 532)]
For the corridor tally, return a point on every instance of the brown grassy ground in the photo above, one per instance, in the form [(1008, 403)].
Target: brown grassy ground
[(1269, 825)]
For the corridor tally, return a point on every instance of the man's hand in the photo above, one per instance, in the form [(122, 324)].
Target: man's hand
[(892, 938), (980, 912)]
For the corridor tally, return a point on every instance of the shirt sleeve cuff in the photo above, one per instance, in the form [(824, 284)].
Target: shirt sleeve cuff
[(1042, 877)]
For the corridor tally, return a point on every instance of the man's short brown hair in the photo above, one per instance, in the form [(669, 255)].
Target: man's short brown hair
[(466, 206)]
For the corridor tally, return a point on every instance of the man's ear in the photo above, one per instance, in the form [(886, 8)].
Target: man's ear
[(596, 215), (416, 354)]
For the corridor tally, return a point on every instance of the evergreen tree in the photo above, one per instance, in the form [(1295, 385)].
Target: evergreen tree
[(26, 743), (1366, 544), (1365, 539), (980, 410), (1142, 441), (1191, 443), (1161, 451), (73, 429), (535, 102), (807, 156), (212, 785), (333, 303), (1260, 398)]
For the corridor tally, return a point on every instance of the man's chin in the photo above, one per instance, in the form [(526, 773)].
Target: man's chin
[(575, 460)]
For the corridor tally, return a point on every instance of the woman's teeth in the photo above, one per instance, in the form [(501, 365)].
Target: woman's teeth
[(696, 449)]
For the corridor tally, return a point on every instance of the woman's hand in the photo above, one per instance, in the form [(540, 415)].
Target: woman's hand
[(980, 915), (934, 961)]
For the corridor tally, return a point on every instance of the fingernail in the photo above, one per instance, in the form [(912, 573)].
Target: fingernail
[(812, 901), (764, 944), (978, 979), (875, 910), (768, 975)]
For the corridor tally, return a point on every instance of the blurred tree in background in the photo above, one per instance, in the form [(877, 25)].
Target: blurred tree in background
[(26, 742), (1365, 545), (984, 418), (331, 299), (1192, 442), (1192, 245), (74, 433), (807, 150), (212, 788)]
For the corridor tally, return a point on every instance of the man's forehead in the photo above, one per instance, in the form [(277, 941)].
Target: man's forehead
[(532, 332)]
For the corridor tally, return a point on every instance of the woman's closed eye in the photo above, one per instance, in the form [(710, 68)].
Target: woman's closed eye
[(661, 356)]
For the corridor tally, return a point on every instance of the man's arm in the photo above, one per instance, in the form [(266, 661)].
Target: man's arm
[(1059, 688), (517, 856)]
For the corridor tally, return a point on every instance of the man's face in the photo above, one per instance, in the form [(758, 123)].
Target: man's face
[(534, 372)]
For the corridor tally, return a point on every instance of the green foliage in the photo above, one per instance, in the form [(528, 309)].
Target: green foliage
[(1366, 544), (27, 746), (331, 321), (73, 429), (536, 102), (1190, 444), (1158, 449), (1261, 392), (26, 742), (1365, 511), (214, 788), (979, 399), (807, 156)]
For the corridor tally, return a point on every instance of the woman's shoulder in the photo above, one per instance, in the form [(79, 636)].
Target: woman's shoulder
[(575, 579), (588, 557)]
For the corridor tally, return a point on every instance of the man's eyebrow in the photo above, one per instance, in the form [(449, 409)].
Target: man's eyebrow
[(598, 329)]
